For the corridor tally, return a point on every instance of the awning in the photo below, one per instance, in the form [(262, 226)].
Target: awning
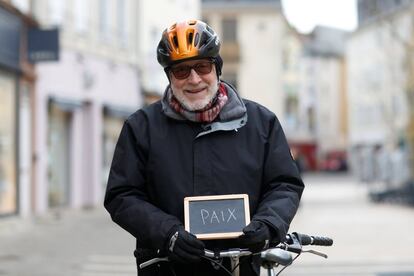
[(118, 111), (66, 104)]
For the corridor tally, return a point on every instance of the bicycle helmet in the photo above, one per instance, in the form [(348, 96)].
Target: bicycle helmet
[(190, 39)]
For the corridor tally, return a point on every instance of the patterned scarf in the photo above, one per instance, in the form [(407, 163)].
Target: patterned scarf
[(205, 115)]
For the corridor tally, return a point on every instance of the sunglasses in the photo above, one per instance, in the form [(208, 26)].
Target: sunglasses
[(181, 72)]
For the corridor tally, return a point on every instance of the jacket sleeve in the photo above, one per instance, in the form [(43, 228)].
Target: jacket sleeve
[(282, 184), (126, 197)]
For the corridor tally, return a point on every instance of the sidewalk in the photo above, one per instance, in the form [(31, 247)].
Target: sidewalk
[(369, 239), (77, 242)]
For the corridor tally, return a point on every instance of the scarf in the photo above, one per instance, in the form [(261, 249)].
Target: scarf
[(234, 109), (205, 115)]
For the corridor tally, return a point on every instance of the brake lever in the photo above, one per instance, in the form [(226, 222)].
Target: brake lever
[(320, 254), (296, 246), (153, 261)]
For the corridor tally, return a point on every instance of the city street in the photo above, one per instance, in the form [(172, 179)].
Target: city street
[(369, 239)]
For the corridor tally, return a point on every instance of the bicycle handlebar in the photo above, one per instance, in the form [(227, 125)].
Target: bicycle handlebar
[(234, 252), (277, 254)]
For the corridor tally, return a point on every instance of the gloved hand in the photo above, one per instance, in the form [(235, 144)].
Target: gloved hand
[(184, 247), (256, 236)]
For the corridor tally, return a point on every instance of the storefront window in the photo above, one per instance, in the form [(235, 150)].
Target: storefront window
[(58, 157), (8, 186), (111, 130)]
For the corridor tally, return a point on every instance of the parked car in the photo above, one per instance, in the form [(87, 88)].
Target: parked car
[(334, 161)]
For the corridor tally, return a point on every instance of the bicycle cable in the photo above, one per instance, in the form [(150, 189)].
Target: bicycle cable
[(244, 260), (217, 263), (172, 269), (280, 271)]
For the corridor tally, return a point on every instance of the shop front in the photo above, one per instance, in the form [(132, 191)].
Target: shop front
[(10, 31), (8, 183), (17, 78), (58, 156), (113, 120)]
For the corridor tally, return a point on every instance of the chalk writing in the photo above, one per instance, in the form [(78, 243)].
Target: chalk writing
[(212, 217)]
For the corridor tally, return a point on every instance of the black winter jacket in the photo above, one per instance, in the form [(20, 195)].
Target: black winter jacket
[(159, 160)]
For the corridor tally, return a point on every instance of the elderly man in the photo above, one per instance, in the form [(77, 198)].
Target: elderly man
[(202, 138)]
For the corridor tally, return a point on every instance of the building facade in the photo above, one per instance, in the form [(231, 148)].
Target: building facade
[(299, 77), (323, 102), (379, 55), (251, 33), (82, 99), (58, 134)]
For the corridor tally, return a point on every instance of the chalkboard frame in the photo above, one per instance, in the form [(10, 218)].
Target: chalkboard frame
[(219, 235)]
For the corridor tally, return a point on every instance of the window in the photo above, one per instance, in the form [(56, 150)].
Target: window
[(81, 16), (57, 12), (59, 143), (111, 128), (104, 28), (122, 27), (229, 30)]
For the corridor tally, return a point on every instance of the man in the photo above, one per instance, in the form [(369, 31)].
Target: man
[(200, 139)]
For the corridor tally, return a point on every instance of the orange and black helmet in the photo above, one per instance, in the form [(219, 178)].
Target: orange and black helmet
[(190, 39)]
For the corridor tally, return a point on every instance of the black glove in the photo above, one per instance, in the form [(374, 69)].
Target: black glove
[(184, 247), (256, 236)]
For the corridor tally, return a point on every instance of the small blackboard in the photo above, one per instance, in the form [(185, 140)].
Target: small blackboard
[(216, 217)]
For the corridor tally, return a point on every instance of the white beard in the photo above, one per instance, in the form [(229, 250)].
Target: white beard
[(199, 104)]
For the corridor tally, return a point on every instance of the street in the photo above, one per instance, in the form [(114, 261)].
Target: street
[(369, 239)]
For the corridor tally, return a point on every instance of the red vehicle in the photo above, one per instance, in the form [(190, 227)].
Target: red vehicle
[(334, 161)]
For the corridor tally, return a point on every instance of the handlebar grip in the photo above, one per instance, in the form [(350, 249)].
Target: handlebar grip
[(304, 239), (310, 240), (323, 241)]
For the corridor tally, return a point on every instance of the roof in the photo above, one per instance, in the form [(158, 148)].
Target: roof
[(326, 41)]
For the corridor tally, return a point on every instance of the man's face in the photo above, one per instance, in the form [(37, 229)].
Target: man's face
[(197, 89)]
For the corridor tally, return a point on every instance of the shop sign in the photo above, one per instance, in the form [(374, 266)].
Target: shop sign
[(43, 45)]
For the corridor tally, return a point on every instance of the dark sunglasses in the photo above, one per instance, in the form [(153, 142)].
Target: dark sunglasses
[(183, 71)]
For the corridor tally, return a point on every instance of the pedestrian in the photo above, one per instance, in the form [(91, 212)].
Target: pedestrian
[(201, 138)]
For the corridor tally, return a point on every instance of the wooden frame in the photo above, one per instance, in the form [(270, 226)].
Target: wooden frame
[(224, 235)]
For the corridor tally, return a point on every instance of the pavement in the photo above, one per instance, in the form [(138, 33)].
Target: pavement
[(370, 239)]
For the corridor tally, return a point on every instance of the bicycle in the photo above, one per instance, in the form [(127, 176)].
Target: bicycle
[(271, 258)]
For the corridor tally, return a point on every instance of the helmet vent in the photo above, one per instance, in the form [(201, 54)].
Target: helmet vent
[(175, 40), (196, 38), (190, 38), (209, 29), (203, 39)]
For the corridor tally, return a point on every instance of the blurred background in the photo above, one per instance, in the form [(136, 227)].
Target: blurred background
[(72, 71)]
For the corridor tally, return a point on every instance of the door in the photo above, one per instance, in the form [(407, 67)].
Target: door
[(58, 156)]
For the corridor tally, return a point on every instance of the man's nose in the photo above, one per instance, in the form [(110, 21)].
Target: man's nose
[(194, 76)]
